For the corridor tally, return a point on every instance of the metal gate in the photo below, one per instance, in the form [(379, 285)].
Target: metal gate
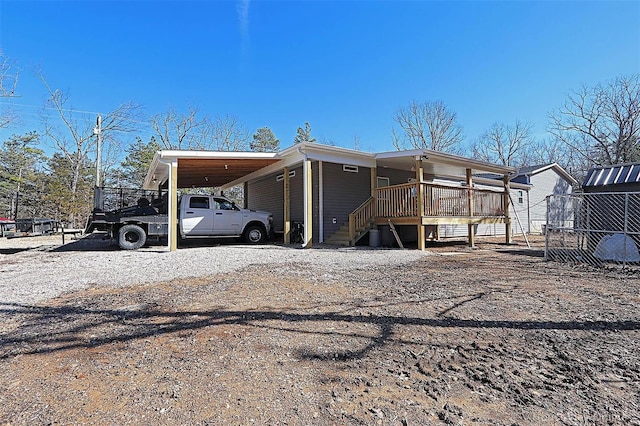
[(594, 228)]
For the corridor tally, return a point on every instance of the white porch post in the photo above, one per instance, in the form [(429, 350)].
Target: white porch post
[(308, 202), (173, 205)]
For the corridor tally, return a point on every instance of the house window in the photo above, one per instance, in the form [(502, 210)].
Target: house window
[(382, 181), (350, 169), (280, 178), (520, 197)]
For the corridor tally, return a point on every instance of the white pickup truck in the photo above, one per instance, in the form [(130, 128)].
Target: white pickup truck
[(199, 216)]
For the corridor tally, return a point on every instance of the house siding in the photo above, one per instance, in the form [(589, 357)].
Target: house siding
[(396, 177), (547, 182), (343, 193), (268, 194), (297, 196), (315, 197)]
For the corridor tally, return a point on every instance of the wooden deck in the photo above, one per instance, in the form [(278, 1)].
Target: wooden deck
[(428, 204)]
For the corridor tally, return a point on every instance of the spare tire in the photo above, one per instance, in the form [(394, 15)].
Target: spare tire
[(131, 237)]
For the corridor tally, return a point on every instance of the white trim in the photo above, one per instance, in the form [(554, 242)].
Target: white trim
[(212, 155), (450, 159), (320, 203), (558, 169), (350, 168)]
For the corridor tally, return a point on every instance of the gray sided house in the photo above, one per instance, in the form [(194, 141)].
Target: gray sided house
[(339, 194), (543, 180)]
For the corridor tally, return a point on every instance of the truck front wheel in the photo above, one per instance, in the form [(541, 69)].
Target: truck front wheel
[(131, 237), (254, 234)]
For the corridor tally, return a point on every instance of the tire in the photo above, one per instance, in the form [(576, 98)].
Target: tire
[(254, 234), (131, 237)]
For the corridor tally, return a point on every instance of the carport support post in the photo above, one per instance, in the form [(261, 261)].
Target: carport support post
[(173, 205), (245, 194), (287, 207), (308, 203), (507, 216), (422, 238), (470, 226)]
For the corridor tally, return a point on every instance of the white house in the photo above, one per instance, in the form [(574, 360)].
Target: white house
[(543, 180)]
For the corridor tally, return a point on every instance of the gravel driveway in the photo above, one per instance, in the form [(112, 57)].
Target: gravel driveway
[(40, 268)]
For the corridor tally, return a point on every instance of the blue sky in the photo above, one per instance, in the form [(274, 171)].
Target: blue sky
[(343, 66)]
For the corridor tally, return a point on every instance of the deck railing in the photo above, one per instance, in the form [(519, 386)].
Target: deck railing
[(488, 203), (439, 200), (397, 200), (361, 216)]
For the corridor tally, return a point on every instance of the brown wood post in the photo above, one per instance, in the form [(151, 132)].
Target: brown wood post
[(507, 216), (287, 207), (422, 237), (374, 185), (470, 226)]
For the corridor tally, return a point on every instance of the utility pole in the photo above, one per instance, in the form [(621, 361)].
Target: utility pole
[(98, 132)]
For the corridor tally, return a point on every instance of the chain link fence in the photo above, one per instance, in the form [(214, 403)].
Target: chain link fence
[(594, 228)]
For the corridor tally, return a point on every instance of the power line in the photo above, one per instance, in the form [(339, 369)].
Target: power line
[(50, 108), (66, 110)]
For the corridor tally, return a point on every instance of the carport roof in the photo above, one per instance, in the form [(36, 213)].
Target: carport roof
[(205, 168)]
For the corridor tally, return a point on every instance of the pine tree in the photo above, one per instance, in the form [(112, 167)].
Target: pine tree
[(134, 167), (19, 163), (303, 135), (265, 141)]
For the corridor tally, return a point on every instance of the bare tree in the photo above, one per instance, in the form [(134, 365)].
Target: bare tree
[(178, 131), (187, 131), (429, 125), (602, 124), (505, 144), (8, 83), (226, 133), (73, 134)]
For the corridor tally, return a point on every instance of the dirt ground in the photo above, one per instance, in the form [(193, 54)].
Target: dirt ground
[(492, 336)]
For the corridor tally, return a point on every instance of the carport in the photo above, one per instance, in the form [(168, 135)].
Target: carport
[(174, 169)]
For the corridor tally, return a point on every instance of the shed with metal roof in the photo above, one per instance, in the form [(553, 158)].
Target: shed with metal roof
[(615, 178)]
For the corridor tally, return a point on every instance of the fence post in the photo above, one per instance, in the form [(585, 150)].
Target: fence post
[(546, 231)]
